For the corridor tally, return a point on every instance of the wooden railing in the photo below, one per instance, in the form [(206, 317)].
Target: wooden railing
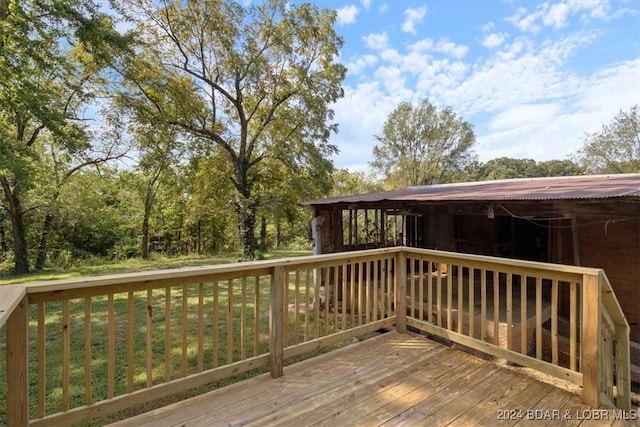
[(561, 320), (81, 349)]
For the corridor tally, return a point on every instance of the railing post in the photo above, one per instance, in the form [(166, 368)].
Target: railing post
[(590, 342), (276, 321), (17, 329), (401, 291)]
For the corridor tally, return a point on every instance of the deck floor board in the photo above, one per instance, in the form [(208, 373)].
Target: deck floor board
[(393, 380)]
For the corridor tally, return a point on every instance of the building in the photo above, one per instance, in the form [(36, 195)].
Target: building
[(591, 221)]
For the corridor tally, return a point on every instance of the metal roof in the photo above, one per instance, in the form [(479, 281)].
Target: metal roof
[(551, 188)]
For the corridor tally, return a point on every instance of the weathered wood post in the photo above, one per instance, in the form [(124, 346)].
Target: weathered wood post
[(17, 329), (276, 321), (401, 290), (590, 342)]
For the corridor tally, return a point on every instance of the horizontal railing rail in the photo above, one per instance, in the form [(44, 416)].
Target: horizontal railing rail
[(84, 348)]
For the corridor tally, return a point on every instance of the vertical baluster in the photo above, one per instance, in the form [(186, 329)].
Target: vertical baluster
[(65, 354), (307, 305), (216, 323), (229, 321), (510, 311), (243, 319), (375, 287), (483, 304), (460, 298), (344, 306), (296, 310), (149, 337), (184, 329), (111, 332), (573, 325), (496, 307), (538, 318), (429, 292), (523, 314), (472, 302), (88, 398), (256, 316), (554, 321), (449, 298), (361, 311), (439, 295), (352, 294), (200, 327), (421, 289), (334, 298), (130, 341), (167, 334), (42, 360)]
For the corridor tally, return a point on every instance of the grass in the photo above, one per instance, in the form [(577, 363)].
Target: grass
[(157, 262), (54, 326)]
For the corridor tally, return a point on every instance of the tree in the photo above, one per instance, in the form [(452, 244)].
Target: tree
[(616, 147), (509, 168), (253, 81), (420, 145), (50, 51)]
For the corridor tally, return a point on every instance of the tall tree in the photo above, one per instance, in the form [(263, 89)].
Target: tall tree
[(50, 49), (616, 147), (251, 80), (420, 145), (509, 168)]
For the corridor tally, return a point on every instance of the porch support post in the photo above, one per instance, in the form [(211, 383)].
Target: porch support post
[(276, 321), (590, 342), (17, 328), (401, 291)]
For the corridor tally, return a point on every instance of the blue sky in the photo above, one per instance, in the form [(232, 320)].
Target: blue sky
[(532, 77)]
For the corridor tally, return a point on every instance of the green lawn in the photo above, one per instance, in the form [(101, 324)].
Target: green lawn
[(97, 268)]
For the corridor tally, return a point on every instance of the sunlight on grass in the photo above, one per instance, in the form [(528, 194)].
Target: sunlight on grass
[(90, 268)]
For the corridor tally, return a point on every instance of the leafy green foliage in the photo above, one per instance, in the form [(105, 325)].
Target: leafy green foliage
[(616, 147), (253, 82), (509, 168), (420, 145)]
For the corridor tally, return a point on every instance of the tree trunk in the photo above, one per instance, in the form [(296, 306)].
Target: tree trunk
[(3, 238), (42, 247), (246, 212), (278, 231), (144, 248), (21, 256), (263, 233)]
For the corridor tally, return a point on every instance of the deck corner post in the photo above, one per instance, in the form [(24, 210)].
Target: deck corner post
[(590, 343), (401, 291), (17, 352), (276, 321)]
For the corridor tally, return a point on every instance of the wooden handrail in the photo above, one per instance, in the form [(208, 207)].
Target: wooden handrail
[(10, 297)]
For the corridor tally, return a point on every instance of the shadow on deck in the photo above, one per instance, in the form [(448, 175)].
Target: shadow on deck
[(392, 379)]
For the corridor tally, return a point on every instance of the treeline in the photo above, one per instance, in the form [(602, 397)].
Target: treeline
[(200, 128)]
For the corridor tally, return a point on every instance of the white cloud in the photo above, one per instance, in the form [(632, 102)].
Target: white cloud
[(448, 47), (494, 40), (347, 15), (558, 15), (366, 4), (489, 26), (361, 63), (413, 17), (376, 41)]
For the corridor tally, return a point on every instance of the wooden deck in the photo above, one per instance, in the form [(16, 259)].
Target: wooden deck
[(393, 379)]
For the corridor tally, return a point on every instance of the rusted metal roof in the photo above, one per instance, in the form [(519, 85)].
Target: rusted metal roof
[(552, 188)]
